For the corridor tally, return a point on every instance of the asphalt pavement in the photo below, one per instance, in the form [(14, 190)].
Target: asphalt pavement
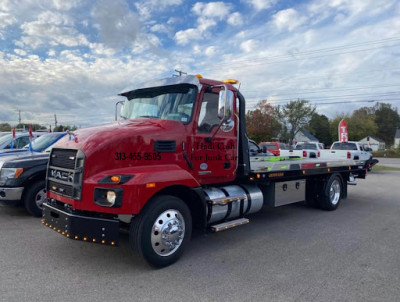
[(389, 162), (291, 253)]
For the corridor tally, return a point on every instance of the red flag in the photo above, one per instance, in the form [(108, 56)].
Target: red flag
[(343, 133), (13, 132), (30, 132)]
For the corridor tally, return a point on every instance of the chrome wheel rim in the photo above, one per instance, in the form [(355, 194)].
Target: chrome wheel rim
[(334, 192), (168, 232), (40, 198)]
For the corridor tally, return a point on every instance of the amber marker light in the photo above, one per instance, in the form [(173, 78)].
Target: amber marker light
[(151, 185), (18, 172), (230, 81), (199, 76), (115, 178)]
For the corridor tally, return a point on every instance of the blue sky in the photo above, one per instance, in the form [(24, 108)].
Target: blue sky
[(72, 58)]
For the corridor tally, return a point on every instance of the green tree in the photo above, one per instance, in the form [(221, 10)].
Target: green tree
[(319, 127), (294, 116), (362, 124), (61, 128), (5, 127), (35, 127), (261, 123), (387, 120)]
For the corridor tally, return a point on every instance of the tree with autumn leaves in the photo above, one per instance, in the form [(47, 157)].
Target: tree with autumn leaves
[(262, 123)]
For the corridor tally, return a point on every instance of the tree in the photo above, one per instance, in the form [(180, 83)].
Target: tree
[(294, 116), (261, 123), (387, 120), (362, 124), (320, 128), (5, 127), (61, 128), (35, 127)]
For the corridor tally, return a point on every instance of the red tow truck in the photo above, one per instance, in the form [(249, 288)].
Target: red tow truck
[(179, 159)]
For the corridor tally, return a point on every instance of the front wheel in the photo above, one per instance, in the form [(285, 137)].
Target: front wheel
[(331, 194), (35, 197), (161, 231)]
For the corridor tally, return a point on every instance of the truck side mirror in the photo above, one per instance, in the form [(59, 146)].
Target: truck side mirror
[(121, 110), (225, 108)]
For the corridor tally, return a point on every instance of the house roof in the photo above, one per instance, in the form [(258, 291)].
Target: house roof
[(309, 136), (377, 139), (397, 135)]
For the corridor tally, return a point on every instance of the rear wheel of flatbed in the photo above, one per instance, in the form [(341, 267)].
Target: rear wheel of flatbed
[(161, 231), (331, 194)]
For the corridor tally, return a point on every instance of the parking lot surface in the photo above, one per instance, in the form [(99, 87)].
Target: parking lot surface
[(292, 253)]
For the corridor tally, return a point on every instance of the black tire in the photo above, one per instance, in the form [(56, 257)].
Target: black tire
[(331, 194), (34, 198), (167, 216)]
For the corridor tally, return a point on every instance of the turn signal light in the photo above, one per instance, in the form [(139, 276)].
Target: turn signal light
[(115, 178)]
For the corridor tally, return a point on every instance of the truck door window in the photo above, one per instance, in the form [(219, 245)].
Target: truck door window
[(208, 118)]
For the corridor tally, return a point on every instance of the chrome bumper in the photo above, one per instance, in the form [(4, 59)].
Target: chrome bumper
[(11, 193)]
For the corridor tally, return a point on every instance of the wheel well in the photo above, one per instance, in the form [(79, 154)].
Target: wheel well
[(31, 180), (193, 199)]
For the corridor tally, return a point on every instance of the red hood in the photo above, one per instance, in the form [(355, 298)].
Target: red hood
[(100, 143)]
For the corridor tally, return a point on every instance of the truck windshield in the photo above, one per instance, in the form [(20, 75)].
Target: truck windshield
[(174, 102)]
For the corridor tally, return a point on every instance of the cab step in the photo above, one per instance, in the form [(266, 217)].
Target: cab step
[(229, 224)]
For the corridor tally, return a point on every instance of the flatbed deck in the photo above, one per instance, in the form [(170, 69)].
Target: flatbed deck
[(262, 167)]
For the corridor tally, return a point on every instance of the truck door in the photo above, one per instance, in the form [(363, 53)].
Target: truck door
[(214, 160)]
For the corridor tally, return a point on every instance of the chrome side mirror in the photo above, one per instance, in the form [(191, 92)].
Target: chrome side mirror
[(225, 109)]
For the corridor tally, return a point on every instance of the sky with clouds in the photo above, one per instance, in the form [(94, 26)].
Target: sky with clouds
[(72, 58)]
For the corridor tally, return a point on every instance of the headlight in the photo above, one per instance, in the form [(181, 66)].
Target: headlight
[(111, 197), (11, 172)]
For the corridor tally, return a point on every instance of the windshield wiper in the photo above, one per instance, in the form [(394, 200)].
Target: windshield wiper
[(149, 116)]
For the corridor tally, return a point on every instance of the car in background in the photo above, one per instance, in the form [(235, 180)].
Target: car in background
[(38, 145), (273, 147), (21, 139), (22, 180)]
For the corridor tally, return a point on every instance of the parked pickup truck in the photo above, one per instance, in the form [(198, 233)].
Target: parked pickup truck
[(350, 150), (22, 180)]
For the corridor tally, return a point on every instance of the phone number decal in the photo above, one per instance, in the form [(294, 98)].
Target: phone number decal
[(137, 156)]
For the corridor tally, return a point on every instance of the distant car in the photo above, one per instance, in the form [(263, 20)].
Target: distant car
[(38, 145), (21, 139), (273, 147)]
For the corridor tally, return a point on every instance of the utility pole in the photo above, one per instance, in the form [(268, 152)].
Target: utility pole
[(180, 73), (55, 120), (19, 117)]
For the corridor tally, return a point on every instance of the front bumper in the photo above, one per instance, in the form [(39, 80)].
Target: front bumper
[(11, 193), (80, 227)]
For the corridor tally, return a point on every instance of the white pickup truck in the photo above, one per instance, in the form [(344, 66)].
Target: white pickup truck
[(350, 150)]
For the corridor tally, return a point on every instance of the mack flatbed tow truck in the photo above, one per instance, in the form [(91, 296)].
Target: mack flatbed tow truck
[(178, 159)]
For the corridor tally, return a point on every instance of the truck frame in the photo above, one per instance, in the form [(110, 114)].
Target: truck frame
[(179, 159)]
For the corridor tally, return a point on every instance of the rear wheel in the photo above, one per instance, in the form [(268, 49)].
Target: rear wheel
[(331, 195), (161, 231), (35, 197)]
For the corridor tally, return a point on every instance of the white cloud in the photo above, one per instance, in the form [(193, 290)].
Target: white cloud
[(235, 19), (147, 8), (259, 5), (183, 37), (208, 16), (212, 9), (288, 19), (249, 45), (210, 51), (20, 52), (118, 26)]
